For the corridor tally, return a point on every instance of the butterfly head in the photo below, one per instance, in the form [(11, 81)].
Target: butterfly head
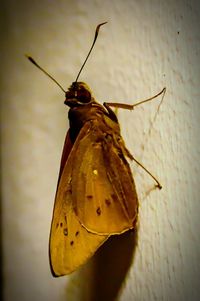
[(78, 94)]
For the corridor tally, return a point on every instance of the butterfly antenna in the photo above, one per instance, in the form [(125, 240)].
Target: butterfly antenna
[(95, 37), (38, 66)]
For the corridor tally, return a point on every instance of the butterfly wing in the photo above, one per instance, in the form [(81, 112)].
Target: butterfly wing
[(70, 243), (103, 190), (65, 154)]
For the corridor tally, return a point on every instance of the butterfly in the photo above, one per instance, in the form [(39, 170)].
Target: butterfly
[(96, 195)]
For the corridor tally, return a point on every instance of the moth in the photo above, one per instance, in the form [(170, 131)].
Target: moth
[(96, 195)]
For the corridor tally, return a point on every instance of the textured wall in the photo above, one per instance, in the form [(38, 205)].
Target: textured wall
[(145, 46)]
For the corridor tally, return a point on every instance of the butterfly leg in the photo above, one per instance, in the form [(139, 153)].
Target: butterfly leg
[(131, 107), (126, 151), (111, 112), (158, 183)]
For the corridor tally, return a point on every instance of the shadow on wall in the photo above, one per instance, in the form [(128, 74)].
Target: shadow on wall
[(102, 277)]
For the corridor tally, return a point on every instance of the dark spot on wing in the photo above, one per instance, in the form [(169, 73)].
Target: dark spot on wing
[(114, 197), (89, 197), (98, 211), (77, 233), (57, 225), (108, 202), (61, 224), (66, 219), (65, 231), (71, 243), (121, 156)]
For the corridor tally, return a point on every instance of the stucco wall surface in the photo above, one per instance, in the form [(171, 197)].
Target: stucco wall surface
[(146, 45)]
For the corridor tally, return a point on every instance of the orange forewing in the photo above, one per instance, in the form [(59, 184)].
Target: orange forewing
[(103, 190)]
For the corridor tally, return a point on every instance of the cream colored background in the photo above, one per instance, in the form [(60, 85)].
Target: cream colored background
[(138, 53)]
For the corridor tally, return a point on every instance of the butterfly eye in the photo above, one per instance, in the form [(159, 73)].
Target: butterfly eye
[(84, 96)]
